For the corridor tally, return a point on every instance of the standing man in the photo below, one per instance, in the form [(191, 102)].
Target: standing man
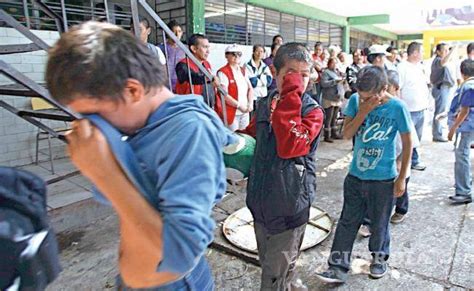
[(200, 85), (414, 92), (145, 31), (173, 53), (353, 70), (392, 61), (444, 86)]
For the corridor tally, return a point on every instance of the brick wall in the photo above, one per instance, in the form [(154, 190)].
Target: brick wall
[(17, 137)]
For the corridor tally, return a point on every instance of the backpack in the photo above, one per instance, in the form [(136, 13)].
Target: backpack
[(455, 107), (29, 256)]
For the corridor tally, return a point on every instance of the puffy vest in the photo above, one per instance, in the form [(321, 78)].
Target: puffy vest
[(185, 88), (232, 91), (280, 187)]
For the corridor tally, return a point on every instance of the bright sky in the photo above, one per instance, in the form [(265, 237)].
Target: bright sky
[(406, 16)]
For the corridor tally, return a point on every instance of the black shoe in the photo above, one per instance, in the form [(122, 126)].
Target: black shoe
[(378, 270), (332, 275), (460, 199), (327, 136), (418, 167), (441, 139), (335, 134)]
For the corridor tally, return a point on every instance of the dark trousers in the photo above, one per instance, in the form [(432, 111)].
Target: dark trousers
[(330, 117), (277, 255), (360, 197), (401, 203)]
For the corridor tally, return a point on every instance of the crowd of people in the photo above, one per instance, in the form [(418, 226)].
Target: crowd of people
[(286, 102)]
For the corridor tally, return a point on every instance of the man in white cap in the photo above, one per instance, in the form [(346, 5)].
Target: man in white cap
[(239, 99)]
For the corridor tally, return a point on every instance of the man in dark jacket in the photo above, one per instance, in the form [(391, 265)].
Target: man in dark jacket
[(282, 181)]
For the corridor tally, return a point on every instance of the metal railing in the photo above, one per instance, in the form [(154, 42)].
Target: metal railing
[(189, 56), (59, 13)]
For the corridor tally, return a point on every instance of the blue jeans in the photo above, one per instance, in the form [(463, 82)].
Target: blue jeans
[(462, 165), (401, 203), (199, 279), (360, 197), (442, 97), (418, 119)]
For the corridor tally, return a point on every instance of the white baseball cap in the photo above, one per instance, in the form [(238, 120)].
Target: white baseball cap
[(378, 49), (233, 48)]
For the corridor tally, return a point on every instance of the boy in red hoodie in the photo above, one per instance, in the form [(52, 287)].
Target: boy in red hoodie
[(282, 181)]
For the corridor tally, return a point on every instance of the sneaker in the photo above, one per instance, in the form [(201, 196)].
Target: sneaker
[(440, 139), (460, 199), (378, 270), (364, 230), (397, 218), (297, 285), (332, 275), (418, 167)]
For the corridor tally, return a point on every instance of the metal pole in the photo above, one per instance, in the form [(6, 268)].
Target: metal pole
[(186, 50), (135, 18), (63, 11), (27, 13), (92, 9), (165, 46), (107, 16)]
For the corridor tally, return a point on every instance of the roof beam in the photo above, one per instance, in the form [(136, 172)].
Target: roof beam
[(298, 9), (369, 19)]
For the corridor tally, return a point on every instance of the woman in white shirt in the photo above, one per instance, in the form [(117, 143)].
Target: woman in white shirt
[(259, 73)]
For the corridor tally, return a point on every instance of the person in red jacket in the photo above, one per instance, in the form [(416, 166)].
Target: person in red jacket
[(239, 100), (282, 180), (199, 85)]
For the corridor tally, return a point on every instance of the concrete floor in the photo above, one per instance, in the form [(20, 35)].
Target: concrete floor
[(431, 250)]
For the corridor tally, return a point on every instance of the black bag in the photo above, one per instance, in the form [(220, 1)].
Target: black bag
[(28, 247)]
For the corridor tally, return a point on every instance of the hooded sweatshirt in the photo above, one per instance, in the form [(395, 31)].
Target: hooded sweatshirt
[(176, 162)]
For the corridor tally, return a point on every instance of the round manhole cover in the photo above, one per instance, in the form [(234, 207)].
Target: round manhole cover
[(238, 229)]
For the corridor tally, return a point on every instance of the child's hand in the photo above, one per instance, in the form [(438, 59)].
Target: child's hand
[(89, 150), (399, 187), (367, 105), (451, 133)]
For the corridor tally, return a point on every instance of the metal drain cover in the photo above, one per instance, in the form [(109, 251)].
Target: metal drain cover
[(238, 229)]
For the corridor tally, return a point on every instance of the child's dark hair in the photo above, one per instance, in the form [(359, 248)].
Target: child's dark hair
[(371, 79), (172, 24), (275, 37), (467, 68), (291, 51), (470, 48), (393, 79), (96, 59)]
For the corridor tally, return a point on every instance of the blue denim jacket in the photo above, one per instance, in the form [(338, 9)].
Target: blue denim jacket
[(176, 162)]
